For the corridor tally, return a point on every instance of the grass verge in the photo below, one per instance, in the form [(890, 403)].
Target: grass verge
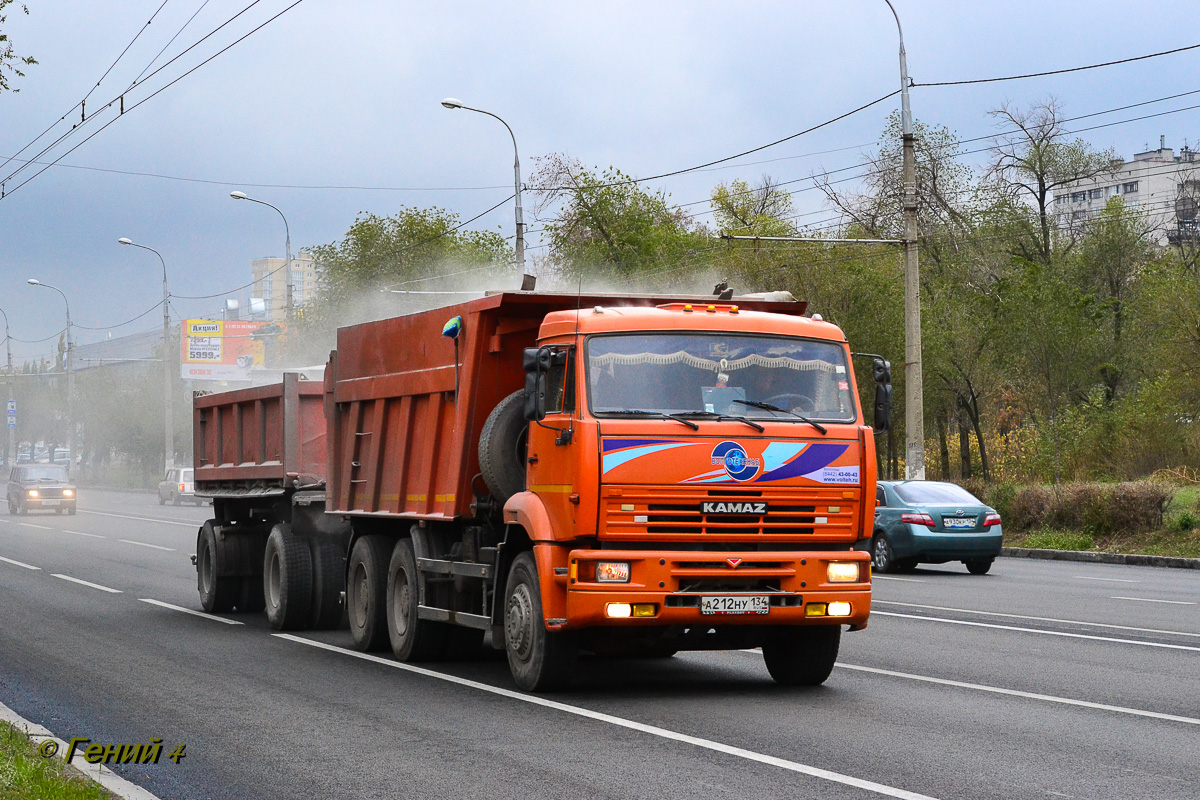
[(1170, 541), (25, 775)]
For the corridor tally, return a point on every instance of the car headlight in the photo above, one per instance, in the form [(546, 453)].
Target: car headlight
[(68, 492), (32, 492), (842, 571)]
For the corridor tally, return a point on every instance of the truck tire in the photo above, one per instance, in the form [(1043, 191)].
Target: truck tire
[(217, 594), (502, 448), (328, 582), (366, 593), (802, 656), (412, 638), (540, 661), (287, 579)]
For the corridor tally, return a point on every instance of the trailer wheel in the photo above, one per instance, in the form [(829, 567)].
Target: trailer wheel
[(802, 656), (413, 638), (217, 594), (366, 593), (328, 583), (540, 661), (287, 579), (502, 447)]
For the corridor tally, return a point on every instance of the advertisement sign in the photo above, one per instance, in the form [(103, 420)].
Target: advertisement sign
[(217, 350)]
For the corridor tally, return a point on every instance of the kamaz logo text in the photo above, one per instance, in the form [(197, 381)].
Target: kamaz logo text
[(720, 507)]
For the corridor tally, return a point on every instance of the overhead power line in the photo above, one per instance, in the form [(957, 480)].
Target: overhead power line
[(1061, 71)]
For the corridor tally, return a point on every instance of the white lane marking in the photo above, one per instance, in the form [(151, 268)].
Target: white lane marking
[(1028, 695), (194, 525), (18, 563), (1036, 630), (890, 578), (213, 617), (1111, 580), (707, 744), (81, 533), (1150, 600), (31, 525), (147, 544), (875, 602), (85, 583)]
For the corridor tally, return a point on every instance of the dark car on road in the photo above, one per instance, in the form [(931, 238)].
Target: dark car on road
[(930, 522), (40, 486)]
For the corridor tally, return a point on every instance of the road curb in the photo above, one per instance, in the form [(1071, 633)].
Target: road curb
[(96, 772), (1134, 559)]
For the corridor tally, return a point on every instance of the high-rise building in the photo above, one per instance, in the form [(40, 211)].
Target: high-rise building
[(271, 280)]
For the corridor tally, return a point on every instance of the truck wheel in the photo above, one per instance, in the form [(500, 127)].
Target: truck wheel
[(413, 639), (802, 656), (328, 583), (216, 593), (287, 579), (978, 566), (502, 448), (366, 593), (540, 661)]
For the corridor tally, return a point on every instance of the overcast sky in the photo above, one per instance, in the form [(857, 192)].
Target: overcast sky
[(346, 92)]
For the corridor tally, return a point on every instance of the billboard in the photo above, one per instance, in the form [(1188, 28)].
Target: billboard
[(224, 350)]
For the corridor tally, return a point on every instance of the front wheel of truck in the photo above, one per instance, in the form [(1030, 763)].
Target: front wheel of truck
[(366, 593), (413, 638), (802, 656), (540, 660)]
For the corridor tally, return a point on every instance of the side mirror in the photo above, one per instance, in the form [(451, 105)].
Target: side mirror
[(882, 371), (536, 361)]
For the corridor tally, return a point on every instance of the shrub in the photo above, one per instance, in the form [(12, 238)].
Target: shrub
[(1098, 509)]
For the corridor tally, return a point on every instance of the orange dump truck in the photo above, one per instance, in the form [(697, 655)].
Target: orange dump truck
[(614, 474)]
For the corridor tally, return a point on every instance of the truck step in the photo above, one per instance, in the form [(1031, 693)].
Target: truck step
[(466, 568), (456, 617)]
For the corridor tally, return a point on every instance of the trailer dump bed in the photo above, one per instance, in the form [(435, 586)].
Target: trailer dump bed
[(254, 441)]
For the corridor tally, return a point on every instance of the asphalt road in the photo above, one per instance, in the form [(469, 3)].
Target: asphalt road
[(1042, 679)]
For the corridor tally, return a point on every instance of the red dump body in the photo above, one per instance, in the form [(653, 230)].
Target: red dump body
[(259, 438)]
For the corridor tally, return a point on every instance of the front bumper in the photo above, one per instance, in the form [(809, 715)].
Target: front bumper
[(48, 503), (675, 581)]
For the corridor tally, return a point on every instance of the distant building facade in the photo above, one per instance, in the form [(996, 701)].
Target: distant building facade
[(271, 282), (1162, 185)]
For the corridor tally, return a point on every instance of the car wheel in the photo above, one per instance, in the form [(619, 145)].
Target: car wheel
[(882, 557), (22, 510), (161, 502), (12, 508), (978, 566), (176, 500)]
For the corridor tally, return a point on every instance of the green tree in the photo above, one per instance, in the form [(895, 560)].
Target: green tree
[(759, 210), (10, 62)]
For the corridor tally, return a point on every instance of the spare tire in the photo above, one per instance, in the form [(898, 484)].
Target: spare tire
[(502, 447)]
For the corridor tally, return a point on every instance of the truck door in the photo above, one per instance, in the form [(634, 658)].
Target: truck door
[(552, 470)]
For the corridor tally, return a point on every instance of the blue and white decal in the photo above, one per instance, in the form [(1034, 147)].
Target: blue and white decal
[(739, 466)]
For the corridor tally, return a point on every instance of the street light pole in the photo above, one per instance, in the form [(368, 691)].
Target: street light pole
[(287, 274), (168, 361), (451, 102), (12, 432), (914, 393), (70, 375)]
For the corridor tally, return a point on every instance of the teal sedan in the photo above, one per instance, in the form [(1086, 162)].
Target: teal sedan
[(932, 523)]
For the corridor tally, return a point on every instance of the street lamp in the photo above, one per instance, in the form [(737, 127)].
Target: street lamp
[(12, 432), (70, 374), (452, 103), (287, 274), (168, 361), (914, 394)]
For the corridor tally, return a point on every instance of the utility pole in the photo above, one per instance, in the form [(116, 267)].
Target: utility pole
[(12, 432), (168, 362), (70, 374), (914, 394)]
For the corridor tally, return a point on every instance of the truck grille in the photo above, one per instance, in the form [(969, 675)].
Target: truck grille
[(639, 512)]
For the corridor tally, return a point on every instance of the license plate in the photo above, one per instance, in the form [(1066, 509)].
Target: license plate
[(735, 604), (958, 522), (51, 502)]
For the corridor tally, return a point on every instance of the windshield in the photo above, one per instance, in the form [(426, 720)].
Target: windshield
[(719, 374), (41, 474), (935, 493)]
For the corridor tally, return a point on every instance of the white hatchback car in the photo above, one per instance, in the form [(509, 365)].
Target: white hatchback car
[(178, 486)]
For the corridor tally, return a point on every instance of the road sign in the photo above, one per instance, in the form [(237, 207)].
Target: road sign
[(12, 422), (12, 406)]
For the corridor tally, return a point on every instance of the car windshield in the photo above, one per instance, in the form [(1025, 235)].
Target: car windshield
[(766, 377), (42, 474), (942, 493)]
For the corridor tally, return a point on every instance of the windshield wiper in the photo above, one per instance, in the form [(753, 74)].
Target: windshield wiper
[(771, 407), (722, 417), (655, 414)]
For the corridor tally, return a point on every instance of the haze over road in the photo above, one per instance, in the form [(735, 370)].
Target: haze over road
[(1042, 679)]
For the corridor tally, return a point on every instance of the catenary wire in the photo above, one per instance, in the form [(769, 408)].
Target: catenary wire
[(1059, 71)]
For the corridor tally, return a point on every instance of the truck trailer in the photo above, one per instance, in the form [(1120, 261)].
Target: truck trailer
[(614, 474)]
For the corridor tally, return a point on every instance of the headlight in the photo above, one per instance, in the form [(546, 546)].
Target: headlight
[(33, 492), (612, 572), (842, 571), (68, 492)]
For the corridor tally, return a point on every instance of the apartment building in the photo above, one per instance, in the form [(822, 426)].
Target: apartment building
[(271, 282)]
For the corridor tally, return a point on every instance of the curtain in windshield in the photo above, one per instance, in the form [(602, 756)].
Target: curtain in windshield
[(718, 373)]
